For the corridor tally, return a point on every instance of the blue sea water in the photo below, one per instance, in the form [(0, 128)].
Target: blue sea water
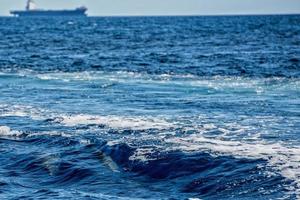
[(150, 108)]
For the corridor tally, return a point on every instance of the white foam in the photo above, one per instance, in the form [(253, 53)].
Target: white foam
[(7, 110), (51, 133), (7, 132), (82, 76), (142, 154), (117, 122), (114, 76)]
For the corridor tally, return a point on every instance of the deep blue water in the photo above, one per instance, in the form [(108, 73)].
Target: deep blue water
[(150, 108)]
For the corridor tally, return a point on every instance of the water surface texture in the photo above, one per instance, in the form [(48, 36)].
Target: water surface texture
[(150, 108)]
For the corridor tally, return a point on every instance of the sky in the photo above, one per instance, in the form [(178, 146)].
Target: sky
[(163, 7)]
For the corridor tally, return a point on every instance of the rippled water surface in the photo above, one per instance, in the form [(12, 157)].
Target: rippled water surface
[(150, 108)]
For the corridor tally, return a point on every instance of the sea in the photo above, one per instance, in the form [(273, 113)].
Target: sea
[(170, 108)]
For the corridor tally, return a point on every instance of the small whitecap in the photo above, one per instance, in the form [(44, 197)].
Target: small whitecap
[(117, 122), (6, 131)]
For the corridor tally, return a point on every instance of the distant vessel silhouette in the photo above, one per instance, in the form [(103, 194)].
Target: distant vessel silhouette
[(32, 11)]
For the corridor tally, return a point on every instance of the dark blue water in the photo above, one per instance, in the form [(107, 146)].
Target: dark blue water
[(150, 108)]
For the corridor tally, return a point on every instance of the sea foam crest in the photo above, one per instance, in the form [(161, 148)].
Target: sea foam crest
[(6, 131), (117, 122)]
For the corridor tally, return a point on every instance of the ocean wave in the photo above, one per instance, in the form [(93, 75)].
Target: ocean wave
[(240, 85), (217, 83), (198, 163), (138, 76), (282, 157), (201, 172)]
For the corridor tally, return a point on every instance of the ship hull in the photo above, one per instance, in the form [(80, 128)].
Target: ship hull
[(49, 13)]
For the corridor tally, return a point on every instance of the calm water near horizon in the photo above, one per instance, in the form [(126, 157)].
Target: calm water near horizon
[(150, 108)]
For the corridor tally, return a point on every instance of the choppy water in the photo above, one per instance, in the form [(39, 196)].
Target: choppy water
[(150, 108)]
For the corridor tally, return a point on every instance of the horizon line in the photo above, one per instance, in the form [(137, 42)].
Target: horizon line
[(185, 15)]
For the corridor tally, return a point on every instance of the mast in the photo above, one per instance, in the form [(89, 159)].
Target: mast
[(30, 5)]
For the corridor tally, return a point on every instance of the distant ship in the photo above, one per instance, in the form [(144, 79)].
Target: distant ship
[(32, 11)]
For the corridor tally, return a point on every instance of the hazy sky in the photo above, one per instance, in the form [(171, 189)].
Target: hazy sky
[(163, 7)]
